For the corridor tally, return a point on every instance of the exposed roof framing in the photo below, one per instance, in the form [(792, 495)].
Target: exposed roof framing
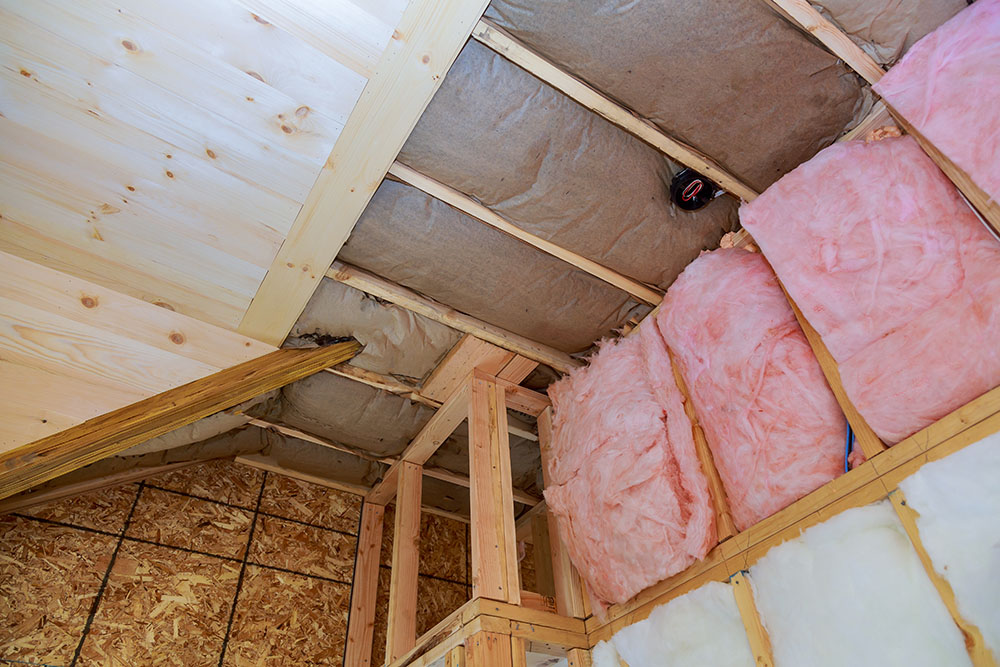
[(422, 305), (429, 37), (521, 55), (470, 206)]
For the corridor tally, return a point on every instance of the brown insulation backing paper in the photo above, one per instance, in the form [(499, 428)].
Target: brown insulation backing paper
[(424, 244), (730, 77), (535, 156), (397, 342), (886, 29)]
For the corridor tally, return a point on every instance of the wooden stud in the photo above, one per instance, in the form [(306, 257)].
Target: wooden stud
[(724, 525), (385, 383), (542, 554), (494, 550), (401, 634), (974, 642), (455, 657), (760, 643), (518, 652), (423, 47), (510, 48), (361, 621), (487, 216), (417, 303), (488, 649), (578, 657), (568, 587), (116, 431)]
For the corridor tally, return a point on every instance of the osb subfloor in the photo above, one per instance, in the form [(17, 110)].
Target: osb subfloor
[(217, 564)]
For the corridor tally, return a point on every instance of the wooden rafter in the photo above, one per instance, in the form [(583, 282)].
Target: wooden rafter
[(425, 44), (487, 216), (422, 305), (760, 643), (108, 434), (526, 58)]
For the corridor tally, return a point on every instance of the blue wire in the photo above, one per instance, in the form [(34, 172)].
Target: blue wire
[(847, 448)]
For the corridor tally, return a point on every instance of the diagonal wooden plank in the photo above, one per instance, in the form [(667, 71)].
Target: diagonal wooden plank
[(97, 438), (424, 45)]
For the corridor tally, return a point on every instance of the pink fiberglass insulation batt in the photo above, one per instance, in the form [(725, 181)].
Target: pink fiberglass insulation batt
[(896, 274), (622, 475), (948, 87), (772, 423)]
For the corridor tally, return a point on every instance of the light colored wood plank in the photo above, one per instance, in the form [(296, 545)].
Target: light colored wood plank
[(44, 459), (494, 550), (513, 612), (488, 649), (385, 383), (878, 117), (455, 657), (578, 657), (518, 652), (426, 42), (262, 462), (473, 208), (361, 620), (417, 303), (760, 643), (974, 642), (811, 21), (542, 554), (538, 602), (469, 353), (523, 399), (569, 592), (521, 55), (518, 369), (401, 634), (439, 427)]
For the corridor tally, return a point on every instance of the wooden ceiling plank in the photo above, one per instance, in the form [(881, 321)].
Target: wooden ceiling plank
[(426, 43), (510, 48), (42, 460), (473, 208), (406, 298)]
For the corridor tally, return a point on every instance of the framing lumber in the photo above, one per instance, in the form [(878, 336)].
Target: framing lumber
[(108, 434), (401, 634), (974, 642), (542, 554), (495, 572), (385, 383), (491, 649), (417, 303), (361, 620), (468, 354), (879, 116), (487, 216), (805, 16), (424, 45), (521, 55), (760, 643)]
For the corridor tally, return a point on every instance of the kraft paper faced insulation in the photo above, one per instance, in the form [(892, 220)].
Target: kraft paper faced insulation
[(958, 499), (896, 274), (730, 77), (852, 591), (948, 88), (774, 427)]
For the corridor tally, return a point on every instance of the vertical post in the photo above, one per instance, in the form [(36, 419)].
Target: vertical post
[(568, 589), (455, 657), (488, 649), (542, 554), (494, 543), (760, 643), (402, 628), (518, 652), (578, 657), (361, 623)]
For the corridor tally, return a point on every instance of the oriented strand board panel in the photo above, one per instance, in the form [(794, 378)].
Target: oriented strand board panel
[(163, 149), (71, 350)]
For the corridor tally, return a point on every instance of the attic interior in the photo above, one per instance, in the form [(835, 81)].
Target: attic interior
[(523, 332)]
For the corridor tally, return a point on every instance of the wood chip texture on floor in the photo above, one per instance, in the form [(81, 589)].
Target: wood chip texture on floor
[(216, 564)]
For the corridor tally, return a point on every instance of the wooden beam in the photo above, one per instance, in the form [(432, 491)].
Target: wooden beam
[(806, 17), (270, 464), (578, 657), (760, 643), (488, 649), (494, 549), (426, 42), (361, 621), (468, 354), (974, 642), (487, 216), (385, 383), (402, 630), (524, 57), (541, 551), (116, 431), (569, 589), (417, 303), (879, 116), (455, 657)]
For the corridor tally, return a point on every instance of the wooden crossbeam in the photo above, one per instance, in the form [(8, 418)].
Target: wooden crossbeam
[(116, 431), (422, 305), (760, 643), (521, 55), (487, 216), (385, 383), (401, 634), (361, 620), (423, 47)]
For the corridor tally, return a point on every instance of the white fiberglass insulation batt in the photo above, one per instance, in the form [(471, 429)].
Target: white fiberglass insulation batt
[(958, 499), (852, 591), (699, 628), (948, 88), (622, 476), (894, 271), (774, 427)]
